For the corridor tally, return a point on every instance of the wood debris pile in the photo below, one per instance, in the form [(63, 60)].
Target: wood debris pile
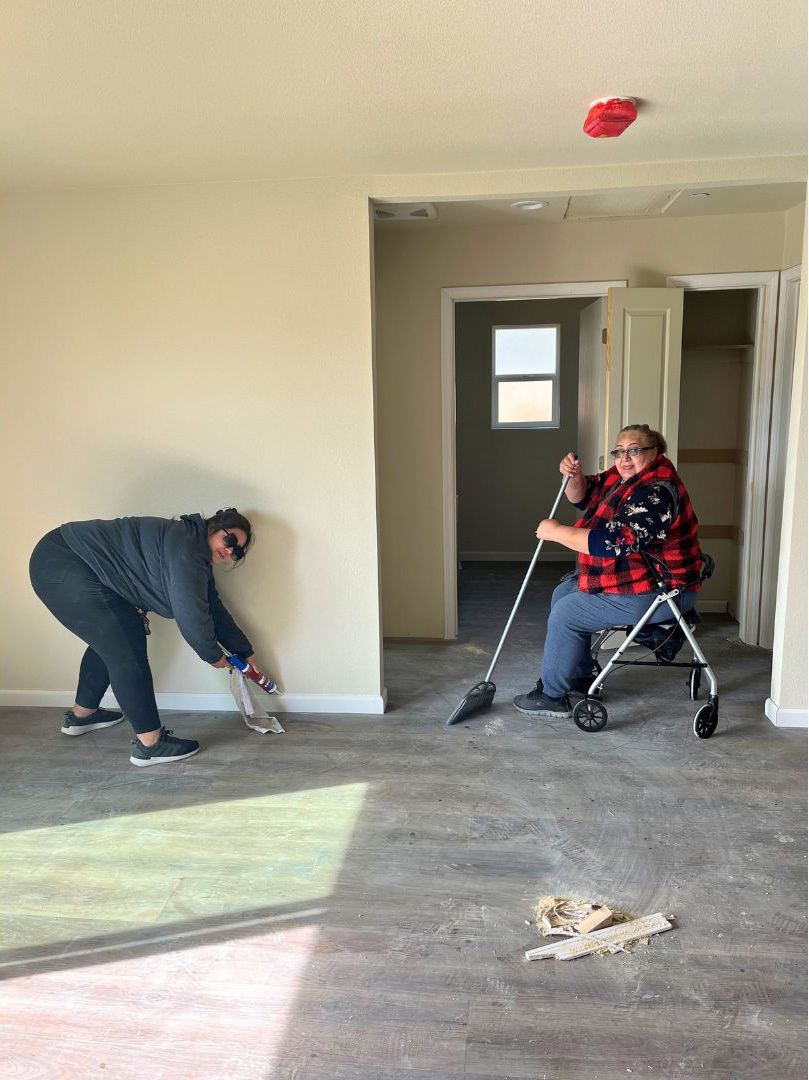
[(593, 928)]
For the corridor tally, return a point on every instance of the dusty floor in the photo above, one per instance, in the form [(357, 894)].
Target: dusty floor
[(348, 901)]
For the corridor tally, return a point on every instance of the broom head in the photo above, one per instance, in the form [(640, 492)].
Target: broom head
[(479, 698)]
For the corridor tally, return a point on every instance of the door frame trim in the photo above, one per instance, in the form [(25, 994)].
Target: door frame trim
[(788, 298), (449, 298), (766, 283)]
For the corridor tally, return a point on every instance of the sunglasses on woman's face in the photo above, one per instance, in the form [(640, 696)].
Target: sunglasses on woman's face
[(632, 452), (232, 542)]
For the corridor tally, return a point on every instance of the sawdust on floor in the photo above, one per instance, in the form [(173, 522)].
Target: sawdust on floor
[(558, 914)]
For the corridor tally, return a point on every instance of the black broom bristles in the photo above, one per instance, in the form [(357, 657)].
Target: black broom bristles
[(479, 698)]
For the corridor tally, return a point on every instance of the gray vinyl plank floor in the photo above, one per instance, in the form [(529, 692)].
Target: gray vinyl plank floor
[(351, 900)]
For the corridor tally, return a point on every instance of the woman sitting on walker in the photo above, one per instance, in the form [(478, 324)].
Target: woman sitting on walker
[(640, 504)]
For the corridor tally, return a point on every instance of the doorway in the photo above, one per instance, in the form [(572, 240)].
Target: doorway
[(727, 378), (740, 310), (481, 294)]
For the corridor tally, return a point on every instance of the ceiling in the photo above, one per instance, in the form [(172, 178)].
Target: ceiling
[(164, 91), (610, 205)]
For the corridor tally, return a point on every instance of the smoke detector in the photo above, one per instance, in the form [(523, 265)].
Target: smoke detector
[(404, 211)]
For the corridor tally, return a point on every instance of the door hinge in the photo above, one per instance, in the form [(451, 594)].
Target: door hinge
[(604, 336)]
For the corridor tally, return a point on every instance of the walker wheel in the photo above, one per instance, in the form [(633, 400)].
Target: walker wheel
[(694, 680), (590, 715), (706, 719)]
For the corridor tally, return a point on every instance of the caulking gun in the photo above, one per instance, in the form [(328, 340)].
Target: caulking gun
[(249, 672)]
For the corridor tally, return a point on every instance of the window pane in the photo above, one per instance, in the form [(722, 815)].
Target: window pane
[(525, 402), (525, 350)]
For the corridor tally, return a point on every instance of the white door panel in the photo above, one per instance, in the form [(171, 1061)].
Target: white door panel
[(644, 344)]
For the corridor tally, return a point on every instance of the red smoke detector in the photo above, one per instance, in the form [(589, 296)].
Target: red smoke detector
[(609, 117)]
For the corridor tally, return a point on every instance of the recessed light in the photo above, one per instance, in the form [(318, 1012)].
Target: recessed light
[(699, 194), (528, 204)]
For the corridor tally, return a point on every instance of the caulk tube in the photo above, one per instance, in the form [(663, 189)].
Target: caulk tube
[(249, 672)]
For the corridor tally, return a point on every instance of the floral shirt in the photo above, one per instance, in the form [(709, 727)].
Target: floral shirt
[(643, 519)]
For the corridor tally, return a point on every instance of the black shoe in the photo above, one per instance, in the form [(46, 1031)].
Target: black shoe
[(537, 703), (166, 749), (78, 725)]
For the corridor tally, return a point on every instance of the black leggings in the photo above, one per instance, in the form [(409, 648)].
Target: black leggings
[(110, 625)]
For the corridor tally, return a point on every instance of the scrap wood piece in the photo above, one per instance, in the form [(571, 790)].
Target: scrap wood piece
[(600, 918), (545, 951), (643, 929), (611, 936), (562, 915)]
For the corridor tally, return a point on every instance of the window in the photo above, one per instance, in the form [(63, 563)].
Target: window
[(525, 376)]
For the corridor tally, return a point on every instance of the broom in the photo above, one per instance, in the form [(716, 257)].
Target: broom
[(481, 696)]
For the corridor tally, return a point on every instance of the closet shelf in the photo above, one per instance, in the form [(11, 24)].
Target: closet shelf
[(711, 348)]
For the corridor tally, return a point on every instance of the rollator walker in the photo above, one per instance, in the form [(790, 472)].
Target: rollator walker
[(664, 640)]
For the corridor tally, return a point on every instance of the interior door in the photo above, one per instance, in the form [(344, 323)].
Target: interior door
[(644, 343), (592, 385)]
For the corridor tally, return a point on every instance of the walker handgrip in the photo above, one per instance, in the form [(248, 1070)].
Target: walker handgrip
[(249, 672)]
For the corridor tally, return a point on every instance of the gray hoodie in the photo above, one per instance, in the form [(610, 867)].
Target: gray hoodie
[(164, 566)]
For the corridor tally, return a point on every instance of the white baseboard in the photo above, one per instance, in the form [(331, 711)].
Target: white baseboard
[(515, 556), (357, 704), (712, 607), (794, 718)]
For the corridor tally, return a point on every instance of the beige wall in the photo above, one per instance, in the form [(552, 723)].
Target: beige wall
[(411, 269), (142, 329), (182, 348), (793, 236), (504, 483)]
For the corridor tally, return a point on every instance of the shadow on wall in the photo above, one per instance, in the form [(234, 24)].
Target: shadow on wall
[(645, 277), (260, 592)]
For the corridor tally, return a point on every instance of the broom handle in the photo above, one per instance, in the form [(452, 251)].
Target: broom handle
[(524, 585)]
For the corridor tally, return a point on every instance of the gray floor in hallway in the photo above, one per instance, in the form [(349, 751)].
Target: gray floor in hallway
[(348, 901)]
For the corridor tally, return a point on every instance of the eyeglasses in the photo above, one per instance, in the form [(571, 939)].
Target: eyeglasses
[(236, 550), (632, 452)]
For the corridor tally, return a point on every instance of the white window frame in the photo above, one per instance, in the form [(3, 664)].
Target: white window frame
[(545, 425)]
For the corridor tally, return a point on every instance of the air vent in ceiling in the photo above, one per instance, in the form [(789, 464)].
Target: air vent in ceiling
[(619, 204), (404, 211)]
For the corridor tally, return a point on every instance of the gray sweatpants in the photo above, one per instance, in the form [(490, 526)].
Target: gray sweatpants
[(575, 616)]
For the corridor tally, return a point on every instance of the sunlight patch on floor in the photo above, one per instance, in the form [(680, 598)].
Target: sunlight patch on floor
[(131, 1017), (216, 860)]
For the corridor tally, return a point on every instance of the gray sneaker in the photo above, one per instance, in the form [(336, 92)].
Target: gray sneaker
[(165, 750), (80, 725), (537, 703)]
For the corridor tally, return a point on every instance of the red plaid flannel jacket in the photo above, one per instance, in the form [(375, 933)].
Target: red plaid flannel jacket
[(680, 550)]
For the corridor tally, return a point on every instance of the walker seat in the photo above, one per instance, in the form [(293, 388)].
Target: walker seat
[(664, 639)]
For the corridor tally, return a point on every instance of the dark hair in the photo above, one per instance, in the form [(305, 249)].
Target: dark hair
[(230, 519), (654, 437)]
